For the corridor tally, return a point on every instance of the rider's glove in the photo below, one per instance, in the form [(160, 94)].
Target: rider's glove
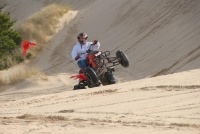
[(95, 42), (77, 57), (88, 51)]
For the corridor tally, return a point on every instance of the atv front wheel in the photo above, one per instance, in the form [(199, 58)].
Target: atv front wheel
[(123, 59)]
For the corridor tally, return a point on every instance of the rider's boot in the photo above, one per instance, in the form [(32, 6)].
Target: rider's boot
[(81, 85)]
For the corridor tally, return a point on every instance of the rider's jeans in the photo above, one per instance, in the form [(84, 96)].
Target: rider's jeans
[(82, 64)]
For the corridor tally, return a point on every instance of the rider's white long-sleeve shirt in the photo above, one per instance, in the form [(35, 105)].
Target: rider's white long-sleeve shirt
[(81, 49)]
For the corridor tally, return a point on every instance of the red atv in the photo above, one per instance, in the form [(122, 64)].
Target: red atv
[(99, 70)]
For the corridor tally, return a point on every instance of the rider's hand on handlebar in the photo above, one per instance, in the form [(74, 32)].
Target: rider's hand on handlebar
[(77, 57), (95, 42)]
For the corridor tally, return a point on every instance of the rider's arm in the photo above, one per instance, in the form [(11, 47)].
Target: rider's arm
[(95, 47), (74, 52)]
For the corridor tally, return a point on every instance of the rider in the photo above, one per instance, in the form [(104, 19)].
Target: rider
[(81, 48)]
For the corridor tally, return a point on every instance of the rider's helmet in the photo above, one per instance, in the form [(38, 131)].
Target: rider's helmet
[(82, 38)]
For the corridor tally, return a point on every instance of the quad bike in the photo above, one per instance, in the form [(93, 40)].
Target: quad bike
[(99, 70)]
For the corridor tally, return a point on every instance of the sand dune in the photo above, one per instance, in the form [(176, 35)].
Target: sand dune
[(159, 37)]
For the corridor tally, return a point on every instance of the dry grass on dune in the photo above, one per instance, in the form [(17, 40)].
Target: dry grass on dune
[(18, 73), (38, 28), (41, 25), (8, 60)]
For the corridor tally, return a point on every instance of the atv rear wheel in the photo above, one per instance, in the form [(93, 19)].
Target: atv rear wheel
[(111, 79), (123, 59), (91, 76), (108, 78)]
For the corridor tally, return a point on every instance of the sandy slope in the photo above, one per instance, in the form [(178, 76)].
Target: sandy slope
[(165, 104), (159, 37)]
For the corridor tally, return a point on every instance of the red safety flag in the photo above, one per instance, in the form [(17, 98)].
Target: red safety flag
[(79, 76), (26, 45)]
